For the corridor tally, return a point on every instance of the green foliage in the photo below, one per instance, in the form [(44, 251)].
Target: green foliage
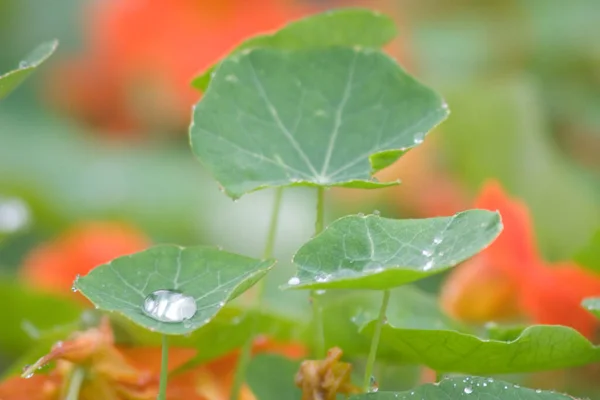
[(370, 252), (31, 316), (589, 256), (209, 275), (474, 388), (344, 27), (537, 348), (271, 377), (316, 117), (10, 80)]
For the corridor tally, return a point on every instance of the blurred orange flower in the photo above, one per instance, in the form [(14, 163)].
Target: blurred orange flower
[(510, 280), (143, 55), (54, 265), (116, 373)]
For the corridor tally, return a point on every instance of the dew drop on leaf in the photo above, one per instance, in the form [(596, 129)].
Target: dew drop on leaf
[(23, 64), (373, 385), (169, 306), (468, 390), (294, 280), (428, 266)]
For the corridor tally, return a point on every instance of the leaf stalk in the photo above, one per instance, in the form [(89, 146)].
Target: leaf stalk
[(375, 341)]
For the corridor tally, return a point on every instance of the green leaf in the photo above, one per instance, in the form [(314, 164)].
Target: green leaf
[(592, 304), (209, 275), (31, 315), (370, 252), (345, 27), (345, 311), (319, 117), (10, 80), (537, 348), (271, 377), (589, 256), (474, 388)]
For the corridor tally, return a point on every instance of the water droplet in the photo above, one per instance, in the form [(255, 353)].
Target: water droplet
[(376, 212), (221, 304), (294, 280), (320, 292), (373, 385), (428, 266), (169, 306), (74, 289), (427, 252), (322, 277), (468, 390), (538, 390), (23, 64), (419, 138), (437, 240), (14, 215), (29, 375), (360, 214), (517, 386)]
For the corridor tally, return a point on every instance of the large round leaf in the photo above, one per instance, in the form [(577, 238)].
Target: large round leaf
[(10, 80), (318, 117), (350, 27), (472, 388), (211, 276), (370, 252)]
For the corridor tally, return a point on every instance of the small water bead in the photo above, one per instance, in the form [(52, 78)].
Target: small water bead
[(428, 266), (373, 385), (293, 281), (23, 64), (427, 252), (437, 240), (468, 390), (169, 306)]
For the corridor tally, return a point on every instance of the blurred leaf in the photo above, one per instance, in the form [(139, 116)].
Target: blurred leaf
[(345, 311), (321, 117), (227, 331), (592, 304), (271, 377), (475, 388), (10, 80), (210, 276), (69, 176), (589, 256), (537, 348), (345, 27), (370, 252), (497, 130), (24, 307)]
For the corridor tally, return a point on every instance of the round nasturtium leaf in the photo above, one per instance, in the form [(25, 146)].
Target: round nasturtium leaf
[(318, 117), (471, 387), (536, 348), (212, 277), (10, 80), (342, 27), (371, 252)]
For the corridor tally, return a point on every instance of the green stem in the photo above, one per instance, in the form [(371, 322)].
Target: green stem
[(164, 369), (246, 353), (439, 376), (317, 314), (375, 341), (75, 382)]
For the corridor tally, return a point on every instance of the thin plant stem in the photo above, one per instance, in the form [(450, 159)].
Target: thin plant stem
[(316, 307), (439, 375), (375, 341), (246, 351), (164, 369), (75, 382)]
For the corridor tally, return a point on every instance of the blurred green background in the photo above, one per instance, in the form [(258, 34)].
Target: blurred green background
[(521, 77)]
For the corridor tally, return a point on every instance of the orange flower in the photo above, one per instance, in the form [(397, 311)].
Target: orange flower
[(143, 55), (116, 373), (54, 265), (509, 279)]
